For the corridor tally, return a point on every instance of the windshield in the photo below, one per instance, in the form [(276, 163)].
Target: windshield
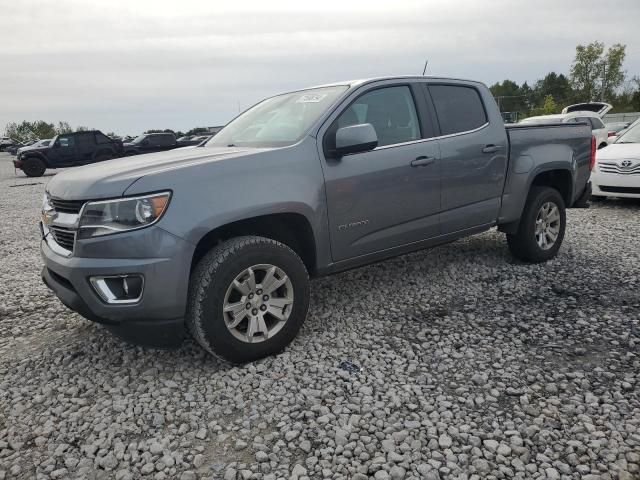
[(631, 135), (277, 121), (138, 139)]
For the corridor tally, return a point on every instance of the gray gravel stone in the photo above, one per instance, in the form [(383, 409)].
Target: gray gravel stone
[(472, 366)]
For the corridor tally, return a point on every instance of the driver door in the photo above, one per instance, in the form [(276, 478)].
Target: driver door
[(388, 196), (64, 150)]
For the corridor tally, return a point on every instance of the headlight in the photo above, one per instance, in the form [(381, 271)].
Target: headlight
[(129, 213)]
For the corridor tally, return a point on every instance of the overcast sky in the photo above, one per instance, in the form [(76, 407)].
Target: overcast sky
[(128, 66)]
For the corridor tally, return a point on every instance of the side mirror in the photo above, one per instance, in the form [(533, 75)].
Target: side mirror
[(355, 139), (56, 145), (145, 142)]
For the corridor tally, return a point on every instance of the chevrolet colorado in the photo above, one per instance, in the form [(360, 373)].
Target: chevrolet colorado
[(220, 240)]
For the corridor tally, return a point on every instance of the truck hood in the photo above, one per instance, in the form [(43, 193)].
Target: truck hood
[(111, 178), (31, 148), (620, 151)]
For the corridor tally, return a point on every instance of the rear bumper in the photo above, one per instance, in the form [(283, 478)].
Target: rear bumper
[(583, 200)]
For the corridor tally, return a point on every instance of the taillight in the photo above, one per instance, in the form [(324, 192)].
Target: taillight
[(592, 159), (611, 134)]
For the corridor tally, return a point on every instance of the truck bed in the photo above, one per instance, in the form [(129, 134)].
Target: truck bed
[(534, 148)]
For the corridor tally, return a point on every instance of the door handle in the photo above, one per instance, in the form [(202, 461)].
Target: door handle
[(491, 148), (422, 161)]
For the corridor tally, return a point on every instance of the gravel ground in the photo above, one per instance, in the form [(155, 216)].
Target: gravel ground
[(465, 364)]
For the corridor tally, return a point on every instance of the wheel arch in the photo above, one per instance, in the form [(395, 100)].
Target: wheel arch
[(559, 178), (38, 155), (292, 229)]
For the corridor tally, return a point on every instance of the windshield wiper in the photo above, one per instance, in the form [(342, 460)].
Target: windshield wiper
[(232, 145)]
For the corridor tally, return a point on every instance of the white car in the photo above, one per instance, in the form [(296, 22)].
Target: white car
[(590, 113), (617, 170)]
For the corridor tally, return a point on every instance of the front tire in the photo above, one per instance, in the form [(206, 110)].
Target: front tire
[(542, 226), (33, 167), (248, 298)]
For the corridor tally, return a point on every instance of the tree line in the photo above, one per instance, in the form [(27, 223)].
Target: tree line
[(595, 74), (26, 131)]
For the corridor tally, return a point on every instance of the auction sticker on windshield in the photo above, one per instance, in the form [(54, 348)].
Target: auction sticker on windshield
[(311, 98)]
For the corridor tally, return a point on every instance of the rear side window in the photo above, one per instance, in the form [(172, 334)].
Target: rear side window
[(459, 108), (101, 138), (584, 120), (85, 139)]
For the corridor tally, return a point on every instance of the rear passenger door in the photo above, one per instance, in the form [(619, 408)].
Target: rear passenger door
[(473, 156), (86, 147)]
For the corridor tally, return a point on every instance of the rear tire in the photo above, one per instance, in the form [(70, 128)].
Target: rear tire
[(33, 167), (542, 226), (217, 285)]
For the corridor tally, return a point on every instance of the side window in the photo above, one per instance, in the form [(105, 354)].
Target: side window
[(66, 141), (85, 140), (584, 120), (459, 108), (391, 111), (596, 123), (165, 140), (102, 139)]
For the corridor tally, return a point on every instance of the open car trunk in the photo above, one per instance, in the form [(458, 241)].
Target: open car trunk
[(597, 107)]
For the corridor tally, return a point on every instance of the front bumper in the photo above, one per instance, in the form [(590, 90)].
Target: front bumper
[(619, 185), (158, 318)]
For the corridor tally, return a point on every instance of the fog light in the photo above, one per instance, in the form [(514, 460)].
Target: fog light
[(119, 288)]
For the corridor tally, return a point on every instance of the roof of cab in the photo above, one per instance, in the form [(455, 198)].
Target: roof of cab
[(363, 81)]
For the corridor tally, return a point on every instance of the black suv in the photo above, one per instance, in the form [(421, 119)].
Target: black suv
[(68, 150), (151, 142)]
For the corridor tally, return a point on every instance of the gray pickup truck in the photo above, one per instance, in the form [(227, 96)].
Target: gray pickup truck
[(220, 240)]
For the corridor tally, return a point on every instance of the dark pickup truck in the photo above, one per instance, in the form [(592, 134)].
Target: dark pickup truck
[(220, 240), (150, 143), (68, 150)]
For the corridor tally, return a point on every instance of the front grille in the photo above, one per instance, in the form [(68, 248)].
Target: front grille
[(63, 236), (610, 167), (635, 190), (66, 206)]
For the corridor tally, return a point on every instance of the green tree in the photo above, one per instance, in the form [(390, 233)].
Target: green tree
[(549, 107), (197, 131), (509, 96), (556, 85), (26, 130), (596, 74), (63, 127)]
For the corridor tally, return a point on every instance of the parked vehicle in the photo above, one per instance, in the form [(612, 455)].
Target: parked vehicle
[(615, 129), (5, 142), (617, 172), (223, 238), (151, 142), (39, 143), (13, 150), (598, 128), (68, 150), (192, 141)]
